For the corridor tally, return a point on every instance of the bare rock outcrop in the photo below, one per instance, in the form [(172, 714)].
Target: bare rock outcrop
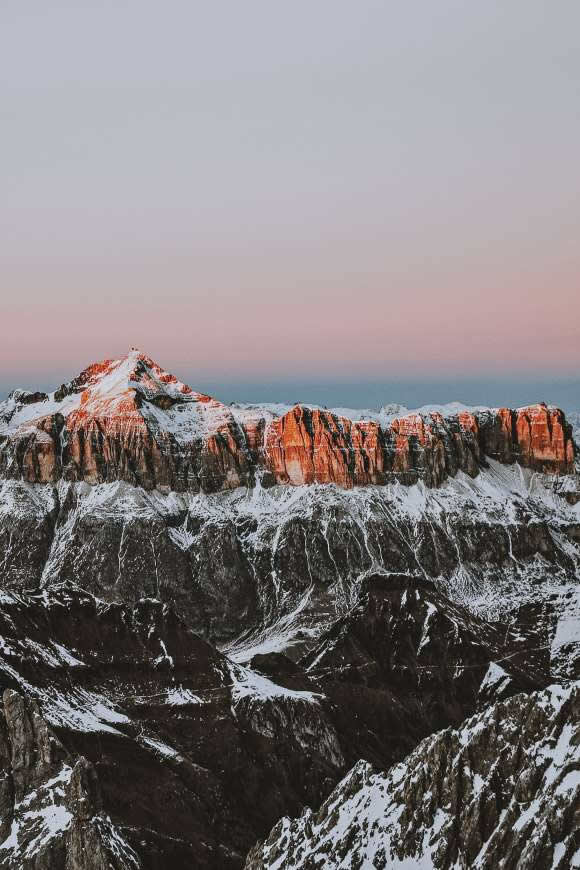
[(51, 815), (502, 790)]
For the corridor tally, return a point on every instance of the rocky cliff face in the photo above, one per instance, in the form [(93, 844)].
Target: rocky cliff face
[(276, 565), (501, 791), (124, 714), (405, 661), (312, 446), (130, 420), (126, 420), (126, 734), (51, 813)]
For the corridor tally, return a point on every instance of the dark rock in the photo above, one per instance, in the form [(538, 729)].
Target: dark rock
[(503, 790), (275, 664)]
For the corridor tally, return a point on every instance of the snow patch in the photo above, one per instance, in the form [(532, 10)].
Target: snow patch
[(249, 684)]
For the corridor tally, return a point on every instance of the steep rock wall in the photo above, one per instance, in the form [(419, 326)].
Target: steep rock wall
[(130, 420)]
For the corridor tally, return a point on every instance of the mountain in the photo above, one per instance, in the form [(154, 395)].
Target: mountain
[(141, 499), (501, 791), (192, 752), (51, 801), (130, 420), (405, 661), (209, 613)]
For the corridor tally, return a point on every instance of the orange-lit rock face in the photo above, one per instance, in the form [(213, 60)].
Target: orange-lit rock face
[(467, 421), (413, 424), (314, 446), (129, 420), (542, 439), (415, 445), (537, 437)]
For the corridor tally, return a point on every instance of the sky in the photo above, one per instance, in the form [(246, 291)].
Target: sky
[(343, 202)]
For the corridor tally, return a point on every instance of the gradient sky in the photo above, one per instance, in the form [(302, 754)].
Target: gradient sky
[(274, 197)]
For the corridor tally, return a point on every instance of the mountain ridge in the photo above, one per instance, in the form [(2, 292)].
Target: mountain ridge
[(218, 609), (503, 789), (129, 419)]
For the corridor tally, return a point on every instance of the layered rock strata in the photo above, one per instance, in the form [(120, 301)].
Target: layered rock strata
[(239, 562), (130, 420)]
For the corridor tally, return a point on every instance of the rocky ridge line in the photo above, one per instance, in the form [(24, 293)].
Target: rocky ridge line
[(51, 813), (503, 790), (130, 420)]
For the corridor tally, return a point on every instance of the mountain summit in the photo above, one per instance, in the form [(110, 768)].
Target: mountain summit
[(129, 419)]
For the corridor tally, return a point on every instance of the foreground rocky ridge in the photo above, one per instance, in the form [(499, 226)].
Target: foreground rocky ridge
[(187, 757), (130, 420), (193, 753), (51, 813), (406, 661), (503, 790)]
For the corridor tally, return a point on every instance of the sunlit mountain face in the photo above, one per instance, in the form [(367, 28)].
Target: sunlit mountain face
[(213, 616)]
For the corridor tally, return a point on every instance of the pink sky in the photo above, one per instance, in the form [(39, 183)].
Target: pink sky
[(524, 322), (330, 191)]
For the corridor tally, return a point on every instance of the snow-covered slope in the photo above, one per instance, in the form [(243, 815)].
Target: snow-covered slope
[(574, 420), (261, 569), (130, 389), (503, 790)]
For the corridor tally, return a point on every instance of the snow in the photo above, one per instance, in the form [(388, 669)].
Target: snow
[(179, 697), (383, 416), (52, 820), (116, 843), (395, 819), (280, 636), (17, 497), (5, 648), (188, 421), (11, 841), (182, 537), (495, 678), (66, 656), (164, 657), (79, 710), (41, 816), (21, 418), (573, 418), (54, 656), (161, 748), (431, 612), (194, 416), (570, 783), (249, 684), (568, 624)]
